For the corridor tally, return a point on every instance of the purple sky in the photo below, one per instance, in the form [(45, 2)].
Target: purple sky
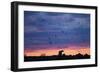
[(56, 29)]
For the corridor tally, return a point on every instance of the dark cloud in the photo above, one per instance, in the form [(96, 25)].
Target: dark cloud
[(56, 28)]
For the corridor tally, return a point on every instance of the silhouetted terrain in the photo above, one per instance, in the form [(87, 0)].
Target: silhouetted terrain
[(60, 56)]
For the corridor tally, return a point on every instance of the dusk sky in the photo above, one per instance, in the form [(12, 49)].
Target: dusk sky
[(51, 31)]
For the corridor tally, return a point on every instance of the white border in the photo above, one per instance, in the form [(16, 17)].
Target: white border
[(22, 64)]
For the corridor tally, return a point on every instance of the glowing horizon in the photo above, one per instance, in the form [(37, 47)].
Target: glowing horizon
[(50, 52)]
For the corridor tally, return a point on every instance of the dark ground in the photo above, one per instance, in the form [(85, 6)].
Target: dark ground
[(55, 57)]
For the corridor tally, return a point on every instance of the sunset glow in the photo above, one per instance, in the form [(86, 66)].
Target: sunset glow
[(50, 52)]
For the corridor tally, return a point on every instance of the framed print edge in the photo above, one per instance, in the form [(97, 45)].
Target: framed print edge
[(14, 36)]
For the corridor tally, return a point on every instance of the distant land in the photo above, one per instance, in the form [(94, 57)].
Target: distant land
[(60, 56)]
